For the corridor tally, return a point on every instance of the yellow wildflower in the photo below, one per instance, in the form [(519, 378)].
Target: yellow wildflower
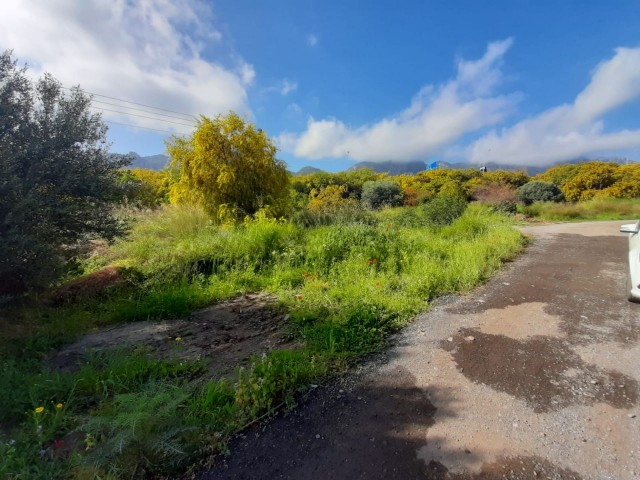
[(178, 339), (39, 410), (59, 406)]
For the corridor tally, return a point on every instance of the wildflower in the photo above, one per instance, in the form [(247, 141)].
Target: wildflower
[(368, 262), (59, 406), (39, 410), (375, 260), (178, 339), (298, 297), (315, 275), (58, 443)]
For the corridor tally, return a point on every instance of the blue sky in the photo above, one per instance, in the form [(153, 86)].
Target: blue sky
[(518, 82)]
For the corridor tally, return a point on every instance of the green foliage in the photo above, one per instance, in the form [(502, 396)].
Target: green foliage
[(229, 167), (140, 432), (58, 180), (588, 180), (381, 193), (537, 191), (352, 180), (346, 286), (599, 208), (443, 210), (145, 188), (330, 200)]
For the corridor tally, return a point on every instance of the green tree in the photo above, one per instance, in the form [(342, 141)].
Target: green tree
[(537, 191), (229, 167), (57, 180), (380, 193)]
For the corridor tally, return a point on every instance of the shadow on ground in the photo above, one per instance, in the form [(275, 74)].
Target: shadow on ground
[(370, 431)]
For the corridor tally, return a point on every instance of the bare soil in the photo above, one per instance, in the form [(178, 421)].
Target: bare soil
[(225, 335), (532, 376)]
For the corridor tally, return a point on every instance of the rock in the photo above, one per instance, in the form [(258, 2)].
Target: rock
[(450, 339), (470, 338), (632, 415), (594, 382)]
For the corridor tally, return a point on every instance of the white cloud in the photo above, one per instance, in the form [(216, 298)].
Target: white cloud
[(294, 108), (288, 87), (573, 130), (148, 51), (312, 40), (437, 116)]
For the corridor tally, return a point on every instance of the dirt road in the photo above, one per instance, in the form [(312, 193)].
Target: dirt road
[(535, 375)]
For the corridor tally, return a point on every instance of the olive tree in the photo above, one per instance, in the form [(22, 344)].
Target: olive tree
[(57, 180)]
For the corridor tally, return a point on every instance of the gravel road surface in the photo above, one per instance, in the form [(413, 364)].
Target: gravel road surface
[(533, 376)]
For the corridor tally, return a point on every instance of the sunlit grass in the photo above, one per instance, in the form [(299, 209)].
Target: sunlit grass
[(346, 286), (595, 209)]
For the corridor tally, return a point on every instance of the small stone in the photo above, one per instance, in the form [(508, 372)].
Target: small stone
[(632, 415), (340, 391), (470, 338), (317, 435), (506, 283), (594, 382), (450, 339)]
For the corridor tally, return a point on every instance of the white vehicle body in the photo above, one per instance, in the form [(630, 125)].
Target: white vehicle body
[(633, 290)]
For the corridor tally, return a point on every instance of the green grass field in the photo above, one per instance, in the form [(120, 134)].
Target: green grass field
[(346, 287), (595, 209)]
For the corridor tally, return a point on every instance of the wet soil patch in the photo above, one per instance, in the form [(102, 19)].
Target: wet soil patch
[(586, 292), (225, 335), (541, 370)]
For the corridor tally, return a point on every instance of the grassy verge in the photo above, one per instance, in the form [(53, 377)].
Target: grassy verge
[(595, 209), (346, 287)]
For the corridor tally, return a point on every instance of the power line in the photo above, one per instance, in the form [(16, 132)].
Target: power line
[(135, 103), (143, 116), (139, 110), (138, 126)]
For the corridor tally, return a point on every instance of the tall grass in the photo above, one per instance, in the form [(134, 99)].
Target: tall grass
[(346, 286), (594, 209)]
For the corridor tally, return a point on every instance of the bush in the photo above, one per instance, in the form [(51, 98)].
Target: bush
[(377, 194), (537, 191), (443, 210)]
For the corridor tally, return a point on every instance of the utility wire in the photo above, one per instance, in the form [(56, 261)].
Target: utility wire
[(135, 103), (139, 110), (138, 126), (143, 116)]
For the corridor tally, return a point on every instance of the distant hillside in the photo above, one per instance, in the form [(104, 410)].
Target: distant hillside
[(392, 168), (151, 162), (308, 171)]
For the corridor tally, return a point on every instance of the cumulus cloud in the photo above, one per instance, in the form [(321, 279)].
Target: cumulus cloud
[(148, 51), (312, 40), (436, 117), (573, 130)]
